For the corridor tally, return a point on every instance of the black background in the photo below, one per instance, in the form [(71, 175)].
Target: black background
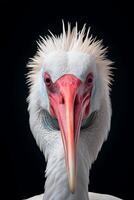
[(21, 24)]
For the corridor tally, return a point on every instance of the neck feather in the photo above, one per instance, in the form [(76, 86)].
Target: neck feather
[(49, 141), (56, 186)]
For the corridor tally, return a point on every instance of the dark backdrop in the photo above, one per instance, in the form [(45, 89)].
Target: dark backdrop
[(21, 24)]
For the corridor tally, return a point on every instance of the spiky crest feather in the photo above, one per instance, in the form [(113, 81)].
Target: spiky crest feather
[(70, 40)]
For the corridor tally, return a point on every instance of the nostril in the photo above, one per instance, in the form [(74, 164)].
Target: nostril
[(61, 99)]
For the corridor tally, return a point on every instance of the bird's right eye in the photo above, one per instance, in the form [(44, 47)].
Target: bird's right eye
[(47, 79)]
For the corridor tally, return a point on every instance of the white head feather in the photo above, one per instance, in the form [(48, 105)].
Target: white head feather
[(71, 41), (85, 54)]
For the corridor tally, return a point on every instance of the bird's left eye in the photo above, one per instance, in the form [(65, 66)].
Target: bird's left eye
[(47, 79), (89, 79)]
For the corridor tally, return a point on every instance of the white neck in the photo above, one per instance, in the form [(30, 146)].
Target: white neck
[(49, 141), (56, 186)]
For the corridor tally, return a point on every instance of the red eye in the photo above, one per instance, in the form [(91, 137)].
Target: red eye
[(47, 79), (89, 80)]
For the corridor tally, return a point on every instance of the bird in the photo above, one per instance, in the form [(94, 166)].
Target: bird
[(69, 106)]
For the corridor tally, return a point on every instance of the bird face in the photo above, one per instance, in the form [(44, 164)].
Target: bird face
[(69, 81)]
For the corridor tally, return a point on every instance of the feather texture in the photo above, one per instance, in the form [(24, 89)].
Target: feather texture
[(71, 40)]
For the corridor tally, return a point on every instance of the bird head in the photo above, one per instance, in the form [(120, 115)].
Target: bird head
[(70, 76)]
